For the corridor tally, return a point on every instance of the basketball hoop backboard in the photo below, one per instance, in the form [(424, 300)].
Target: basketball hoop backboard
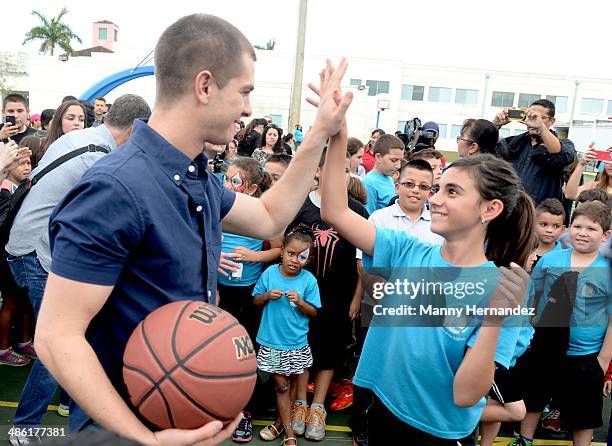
[(383, 104)]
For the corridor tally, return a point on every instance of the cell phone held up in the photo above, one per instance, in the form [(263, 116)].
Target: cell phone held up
[(517, 114), (603, 155), (10, 120)]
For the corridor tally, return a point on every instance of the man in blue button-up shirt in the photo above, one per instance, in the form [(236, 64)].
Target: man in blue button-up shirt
[(142, 228)]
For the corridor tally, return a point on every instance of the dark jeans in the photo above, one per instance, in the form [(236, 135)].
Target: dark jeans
[(40, 386)]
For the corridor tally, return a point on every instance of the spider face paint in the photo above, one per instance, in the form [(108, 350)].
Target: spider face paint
[(303, 257), (235, 180)]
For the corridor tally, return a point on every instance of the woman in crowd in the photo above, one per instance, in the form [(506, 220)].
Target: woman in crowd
[(477, 136), (271, 144)]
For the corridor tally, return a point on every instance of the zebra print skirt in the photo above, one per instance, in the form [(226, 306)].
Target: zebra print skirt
[(284, 362)]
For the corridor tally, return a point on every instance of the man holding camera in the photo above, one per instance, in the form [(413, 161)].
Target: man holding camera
[(15, 111), (538, 155)]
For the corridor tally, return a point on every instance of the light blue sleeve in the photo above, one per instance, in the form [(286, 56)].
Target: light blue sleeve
[(391, 249), (311, 293), (263, 284), (506, 344)]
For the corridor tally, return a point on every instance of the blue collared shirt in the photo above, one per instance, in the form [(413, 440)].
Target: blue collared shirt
[(145, 219)]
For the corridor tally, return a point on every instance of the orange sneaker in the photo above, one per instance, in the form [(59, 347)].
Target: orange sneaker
[(344, 398)]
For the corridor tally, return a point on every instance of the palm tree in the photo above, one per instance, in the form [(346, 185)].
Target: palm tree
[(52, 32)]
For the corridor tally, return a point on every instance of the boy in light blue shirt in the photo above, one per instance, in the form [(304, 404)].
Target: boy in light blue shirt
[(588, 299), (388, 152)]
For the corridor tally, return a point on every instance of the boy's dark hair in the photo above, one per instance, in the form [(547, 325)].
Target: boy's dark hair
[(324, 155), (194, 43), (299, 232), (427, 154), (46, 116), (552, 206), (595, 211), (546, 104), (69, 98), (99, 98), (353, 145), (418, 164), (385, 143), (594, 195), (280, 158), (14, 97)]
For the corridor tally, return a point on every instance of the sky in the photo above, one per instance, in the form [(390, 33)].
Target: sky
[(541, 36)]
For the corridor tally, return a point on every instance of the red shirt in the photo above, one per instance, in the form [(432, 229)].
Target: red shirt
[(368, 159)]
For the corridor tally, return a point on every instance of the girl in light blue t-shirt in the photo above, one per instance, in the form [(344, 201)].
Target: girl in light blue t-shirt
[(290, 296), (430, 381)]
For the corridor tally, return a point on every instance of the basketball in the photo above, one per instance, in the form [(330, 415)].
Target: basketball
[(188, 363)]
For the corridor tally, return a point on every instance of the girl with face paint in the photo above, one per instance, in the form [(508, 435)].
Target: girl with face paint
[(290, 296), (241, 264)]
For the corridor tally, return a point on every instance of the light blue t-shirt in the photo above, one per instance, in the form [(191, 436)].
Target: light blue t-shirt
[(380, 189), (412, 369), (593, 304), (250, 270), (283, 325)]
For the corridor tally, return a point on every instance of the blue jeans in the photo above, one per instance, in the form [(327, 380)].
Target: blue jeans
[(41, 386)]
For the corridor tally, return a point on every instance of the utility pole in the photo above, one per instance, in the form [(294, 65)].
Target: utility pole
[(298, 69)]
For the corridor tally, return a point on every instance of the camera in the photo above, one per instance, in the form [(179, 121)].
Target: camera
[(416, 138), (516, 114), (218, 163)]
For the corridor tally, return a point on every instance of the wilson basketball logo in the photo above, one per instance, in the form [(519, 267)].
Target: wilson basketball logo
[(204, 314)]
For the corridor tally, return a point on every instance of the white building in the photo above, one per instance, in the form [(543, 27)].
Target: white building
[(447, 95)]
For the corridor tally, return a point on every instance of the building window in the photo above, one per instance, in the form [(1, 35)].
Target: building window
[(526, 99), (516, 132), (413, 92), (456, 130), (502, 99), (443, 130), (277, 120), (102, 34), (560, 103), (377, 87), (116, 33), (609, 108), (355, 82), (401, 125), (504, 132), (439, 94), (590, 105), (466, 97)]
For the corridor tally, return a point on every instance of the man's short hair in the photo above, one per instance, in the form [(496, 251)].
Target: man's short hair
[(552, 206), (14, 97), (595, 211), (69, 98), (427, 154), (195, 43), (421, 165), (99, 98), (385, 143), (280, 158), (125, 109), (546, 104)]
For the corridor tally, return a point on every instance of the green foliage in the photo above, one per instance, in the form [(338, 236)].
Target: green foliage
[(270, 44), (53, 33)]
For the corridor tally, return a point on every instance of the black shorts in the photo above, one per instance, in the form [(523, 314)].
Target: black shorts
[(537, 374), (238, 301), (505, 387), (581, 400), (385, 428), (330, 334)]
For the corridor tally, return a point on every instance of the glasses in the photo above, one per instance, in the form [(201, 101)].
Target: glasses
[(459, 138), (422, 187)]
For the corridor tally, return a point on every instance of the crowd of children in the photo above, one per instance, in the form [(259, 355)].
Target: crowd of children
[(306, 296)]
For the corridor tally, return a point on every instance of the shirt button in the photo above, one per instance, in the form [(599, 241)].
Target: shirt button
[(191, 168), (209, 293), (177, 177), (199, 209)]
